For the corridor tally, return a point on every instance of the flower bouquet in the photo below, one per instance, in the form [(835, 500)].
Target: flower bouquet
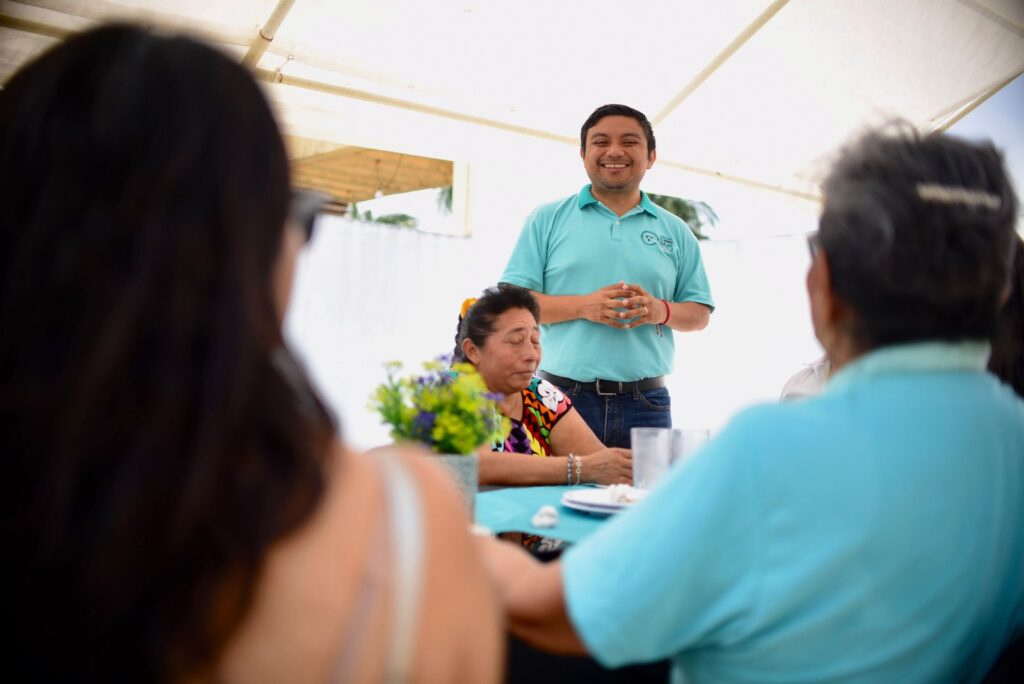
[(451, 411)]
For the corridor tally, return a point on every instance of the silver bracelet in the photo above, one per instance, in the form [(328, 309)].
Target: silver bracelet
[(579, 469), (568, 470)]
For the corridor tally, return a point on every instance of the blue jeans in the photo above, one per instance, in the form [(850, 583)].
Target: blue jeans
[(612, 416)]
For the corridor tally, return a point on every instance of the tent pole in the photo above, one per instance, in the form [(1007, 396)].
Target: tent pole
[(36, 27), (351, 93), (266, 34), (740, 180), (720, 59), (973, 104), (354, 94)]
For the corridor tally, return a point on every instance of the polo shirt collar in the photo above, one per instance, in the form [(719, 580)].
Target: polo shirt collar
[(586, 197), (916, 357), (647, 205)]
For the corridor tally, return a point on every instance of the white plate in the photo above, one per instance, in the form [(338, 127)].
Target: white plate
[(599, 500)]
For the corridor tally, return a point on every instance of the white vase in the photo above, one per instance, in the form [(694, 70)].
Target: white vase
[(464, 470)]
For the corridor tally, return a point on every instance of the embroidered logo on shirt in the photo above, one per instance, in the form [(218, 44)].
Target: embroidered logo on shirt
[(664, 243)]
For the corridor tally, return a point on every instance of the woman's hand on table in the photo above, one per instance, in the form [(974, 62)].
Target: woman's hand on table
[(608, 466)]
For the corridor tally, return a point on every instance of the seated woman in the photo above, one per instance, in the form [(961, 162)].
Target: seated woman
[(177, 503), (500, 335)]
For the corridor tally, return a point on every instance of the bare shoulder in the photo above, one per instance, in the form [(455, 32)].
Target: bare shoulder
[(305, 593), (461, 622), (308, 594)]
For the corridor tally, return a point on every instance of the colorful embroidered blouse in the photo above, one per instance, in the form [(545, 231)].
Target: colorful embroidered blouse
[(543, 406)]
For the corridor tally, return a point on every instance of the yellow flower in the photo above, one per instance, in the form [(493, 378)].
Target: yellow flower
[(451, 410)]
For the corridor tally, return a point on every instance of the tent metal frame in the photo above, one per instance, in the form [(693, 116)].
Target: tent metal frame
[(258, 44)]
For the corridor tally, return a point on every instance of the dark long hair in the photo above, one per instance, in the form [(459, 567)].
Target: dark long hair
[(157, 437)]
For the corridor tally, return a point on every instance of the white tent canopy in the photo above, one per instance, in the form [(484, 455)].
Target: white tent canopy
[(750, 90)]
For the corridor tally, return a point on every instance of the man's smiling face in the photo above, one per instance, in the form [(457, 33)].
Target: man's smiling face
[(616, 156)]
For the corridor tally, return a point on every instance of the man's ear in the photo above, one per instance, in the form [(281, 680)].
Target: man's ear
[(651, 157), (583, 153)]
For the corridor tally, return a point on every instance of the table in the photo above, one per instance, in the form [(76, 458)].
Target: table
[(510, 509)]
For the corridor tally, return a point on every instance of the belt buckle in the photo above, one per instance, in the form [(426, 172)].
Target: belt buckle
[(597, 389)]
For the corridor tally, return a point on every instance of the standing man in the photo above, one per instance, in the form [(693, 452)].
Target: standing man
[(614, 274)]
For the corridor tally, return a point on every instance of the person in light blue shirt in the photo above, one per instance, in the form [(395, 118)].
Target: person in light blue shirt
[(614, 275), (874, 533)]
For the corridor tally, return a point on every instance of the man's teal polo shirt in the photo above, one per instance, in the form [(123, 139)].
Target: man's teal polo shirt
[(874, 533), (577, 245)]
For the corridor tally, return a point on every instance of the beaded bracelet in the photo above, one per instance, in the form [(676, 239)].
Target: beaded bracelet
[(568, 470), (579, 469), (668, 315)]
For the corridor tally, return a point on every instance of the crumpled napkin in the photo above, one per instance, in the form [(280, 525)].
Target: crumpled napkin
[(545, 517)]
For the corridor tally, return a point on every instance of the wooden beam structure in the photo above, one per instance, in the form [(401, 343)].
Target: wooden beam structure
[(357, 174)]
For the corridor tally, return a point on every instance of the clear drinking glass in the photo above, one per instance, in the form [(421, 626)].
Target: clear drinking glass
[(687, 441), (652, 451)]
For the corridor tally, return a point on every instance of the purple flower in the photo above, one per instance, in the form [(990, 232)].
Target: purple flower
[(494, 396), (423, 423)]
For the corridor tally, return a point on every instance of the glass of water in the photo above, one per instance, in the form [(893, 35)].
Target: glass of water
[(652, 452), (686, 442)]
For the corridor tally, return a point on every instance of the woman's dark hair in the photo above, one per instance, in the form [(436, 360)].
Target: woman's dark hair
[(618, 110), (478, 323), (1007, 360), (157, 437), (917, 231)]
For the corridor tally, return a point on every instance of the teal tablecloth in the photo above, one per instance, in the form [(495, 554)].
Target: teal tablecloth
[(510, 509)]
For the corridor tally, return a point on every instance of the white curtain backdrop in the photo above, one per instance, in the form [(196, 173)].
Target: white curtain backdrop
[(366, 294)]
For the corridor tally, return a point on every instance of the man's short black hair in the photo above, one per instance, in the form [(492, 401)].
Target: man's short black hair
[(618, 110)]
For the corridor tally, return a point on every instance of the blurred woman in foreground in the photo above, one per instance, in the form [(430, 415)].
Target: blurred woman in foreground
[(176, 500), (500, 335)]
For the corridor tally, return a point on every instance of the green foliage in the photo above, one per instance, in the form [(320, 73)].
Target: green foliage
[(403, 220), (451, 411), (696, 214), (444, 200)]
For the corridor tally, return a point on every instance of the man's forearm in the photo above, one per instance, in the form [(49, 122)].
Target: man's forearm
[(558, 308), (688, 316)]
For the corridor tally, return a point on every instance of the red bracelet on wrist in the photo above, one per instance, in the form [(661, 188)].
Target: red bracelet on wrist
[(668, 312)]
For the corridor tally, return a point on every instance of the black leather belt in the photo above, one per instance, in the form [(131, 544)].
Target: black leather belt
[(606, 387)]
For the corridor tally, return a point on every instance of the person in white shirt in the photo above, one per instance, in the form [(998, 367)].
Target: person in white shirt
[(809, 381)]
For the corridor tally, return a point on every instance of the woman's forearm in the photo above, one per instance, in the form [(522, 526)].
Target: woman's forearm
[(502, 468)]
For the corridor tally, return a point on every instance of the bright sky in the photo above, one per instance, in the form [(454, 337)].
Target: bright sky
[(999, 119)]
